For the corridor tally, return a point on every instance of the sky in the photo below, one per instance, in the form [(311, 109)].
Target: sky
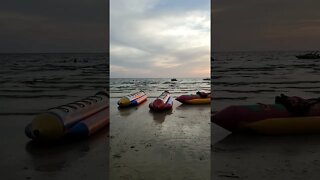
[(262, 25), (159, 38), (35, 26)]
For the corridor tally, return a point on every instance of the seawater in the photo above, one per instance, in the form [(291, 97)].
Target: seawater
[(153, 87), (257, 77), (35, 82)]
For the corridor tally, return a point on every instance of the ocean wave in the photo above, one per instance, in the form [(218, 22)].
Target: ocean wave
[(245, 91), (263, 82), (19, 113), (60, 96), (229, 98)]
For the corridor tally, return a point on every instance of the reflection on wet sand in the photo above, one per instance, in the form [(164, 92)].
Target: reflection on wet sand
[(52, 157), (127, 111), (265, 157), (193, 106), (159, 117)]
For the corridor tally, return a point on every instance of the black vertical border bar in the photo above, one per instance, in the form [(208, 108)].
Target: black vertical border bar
[(211, 82), (108, 86)]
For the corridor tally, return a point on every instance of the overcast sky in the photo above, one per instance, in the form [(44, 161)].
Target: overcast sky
[(160, 38), (53, 26), (266, 25)]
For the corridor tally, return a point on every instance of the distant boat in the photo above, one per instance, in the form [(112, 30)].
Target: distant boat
[(174, 79), (311, 55), (206, 79)]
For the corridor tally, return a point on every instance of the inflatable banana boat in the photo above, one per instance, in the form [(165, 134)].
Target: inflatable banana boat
[(199, 98), (90, 125), (273, 119), (132, 99), (80, 118), (162, 103)]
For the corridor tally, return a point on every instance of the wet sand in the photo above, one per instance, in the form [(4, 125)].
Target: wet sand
[(252, 157), (173, 145), (22, 159)]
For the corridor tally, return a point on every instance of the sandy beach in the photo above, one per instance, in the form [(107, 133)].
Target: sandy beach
[(252, 157), (22, 159), (169, 145)]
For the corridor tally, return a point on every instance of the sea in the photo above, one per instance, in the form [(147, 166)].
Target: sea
[(240, 78), (31, 83), (153, 87)]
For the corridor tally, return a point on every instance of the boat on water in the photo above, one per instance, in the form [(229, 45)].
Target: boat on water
[(174, 79), (311, 55)]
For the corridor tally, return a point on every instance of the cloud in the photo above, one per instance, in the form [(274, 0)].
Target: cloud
[(116, 70), (148, 34), (165, 62), (265, 25), (54, 26)]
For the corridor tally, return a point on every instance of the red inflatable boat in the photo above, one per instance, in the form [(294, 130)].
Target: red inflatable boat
[(267, 119), (198, 98), (162, 103)]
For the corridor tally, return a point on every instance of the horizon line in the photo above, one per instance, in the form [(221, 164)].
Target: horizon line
[(153, 77), (259, 50)]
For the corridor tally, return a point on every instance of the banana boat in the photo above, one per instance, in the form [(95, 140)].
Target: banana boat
[(132, 99), (285, 126), (56, 122), (90, 125), (162, 103), (199, 98), (268, 119)]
